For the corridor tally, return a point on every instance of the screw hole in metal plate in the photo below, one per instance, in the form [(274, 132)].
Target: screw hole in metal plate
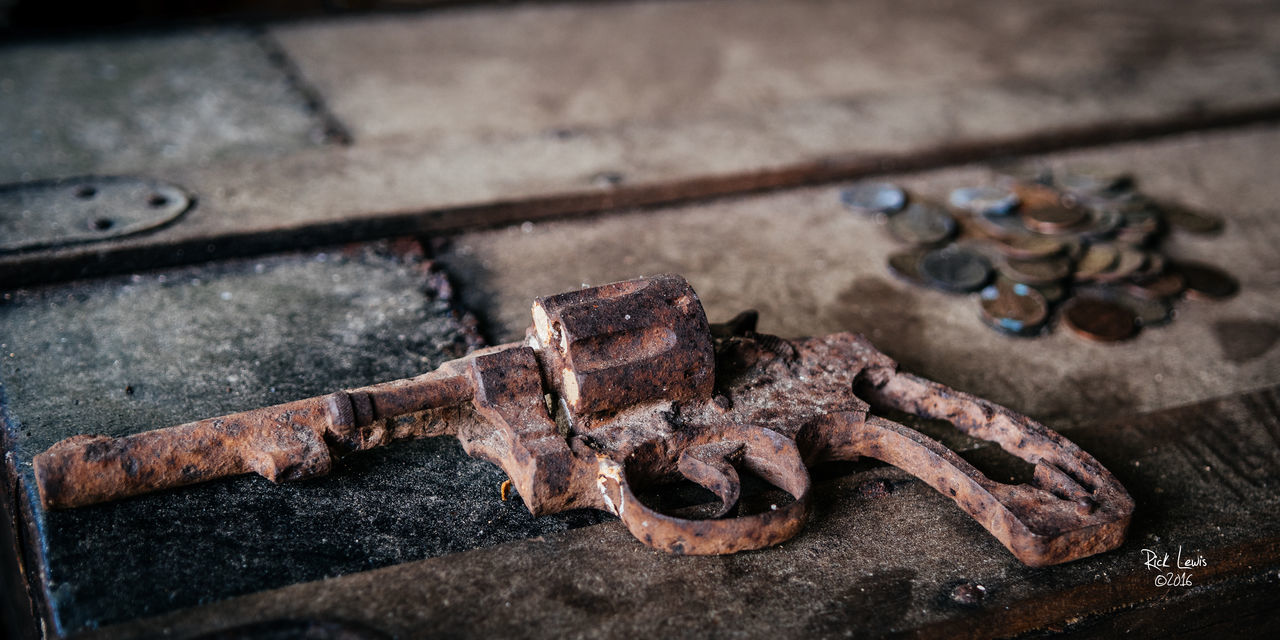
[(54, 213)]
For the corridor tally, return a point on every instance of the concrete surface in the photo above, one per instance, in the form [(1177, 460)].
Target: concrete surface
[(484, 116), (484, 74), (127, 104)]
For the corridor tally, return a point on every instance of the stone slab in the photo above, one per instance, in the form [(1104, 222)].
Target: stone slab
[(122, 355), (138, 103), (711, 98), (484, 74)]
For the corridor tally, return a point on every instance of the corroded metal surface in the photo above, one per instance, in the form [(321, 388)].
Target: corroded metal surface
[(625, 386)]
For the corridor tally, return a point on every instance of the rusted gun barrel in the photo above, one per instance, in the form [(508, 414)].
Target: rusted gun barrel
[(643, 392), (289, 441)]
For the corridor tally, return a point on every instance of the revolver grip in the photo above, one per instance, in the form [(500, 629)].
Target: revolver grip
[(1072, 508), (764, 452)]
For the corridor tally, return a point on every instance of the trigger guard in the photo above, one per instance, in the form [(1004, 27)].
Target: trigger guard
[(767, 453)]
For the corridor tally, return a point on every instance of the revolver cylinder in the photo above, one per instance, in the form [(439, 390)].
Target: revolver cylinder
[(620, 344)]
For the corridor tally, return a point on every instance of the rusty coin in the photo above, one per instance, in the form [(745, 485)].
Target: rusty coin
[(1148, 312), (922, 224), (1091, 182), (1129, 261), (1036, 196), (906, 265), (1036, 272), (1053, 219), (1096, 259), (1013, 307), (979, 200), (1051, 292), (1098, 319), (955, 269), (1103, 222), (1141, 224), (1028, 246), (1165, 285), (999, 226), (874, 197), (1193, 221), (1204, 282), (1153, 267)]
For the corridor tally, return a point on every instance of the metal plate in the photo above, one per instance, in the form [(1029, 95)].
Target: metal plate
[(51, 213)]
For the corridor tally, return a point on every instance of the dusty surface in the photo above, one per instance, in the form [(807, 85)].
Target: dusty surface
[(124, 355), (484, 116), (132, 104), (538, 68), (882, 554), (813, 267)]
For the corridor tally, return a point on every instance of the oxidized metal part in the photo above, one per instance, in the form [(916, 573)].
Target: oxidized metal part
[(1073, 508), (647, 393), (52, 213), (613, 346)]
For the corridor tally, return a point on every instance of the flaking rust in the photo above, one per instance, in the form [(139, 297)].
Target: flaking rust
[(624, 386)]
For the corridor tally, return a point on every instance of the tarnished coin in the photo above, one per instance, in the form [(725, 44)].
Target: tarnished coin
[(906, 265), (1098, 319), (1023, 174), (1053, 219), (874, 197), (1091, 182), (1038, 196), (1036, 272), (1145, 216), (1141, 224), (979, 200), (1192, 221), (999, 225), (1051, 292), (1160, 287), (1134, 237), (1073, 248), (1102, 223), (922, 224), (1028, 246), (1148, 312), (1128, 262), (1013, 307), (1153, 267), (1204, 282), (955, 269), (1096, 259)]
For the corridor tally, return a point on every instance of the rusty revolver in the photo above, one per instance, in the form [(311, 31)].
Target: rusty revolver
[(625, 385)]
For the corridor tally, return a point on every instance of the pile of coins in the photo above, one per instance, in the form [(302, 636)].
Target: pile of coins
[(1080, 247)]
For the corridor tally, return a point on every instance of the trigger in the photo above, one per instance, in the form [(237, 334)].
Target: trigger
[(711, 467)]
